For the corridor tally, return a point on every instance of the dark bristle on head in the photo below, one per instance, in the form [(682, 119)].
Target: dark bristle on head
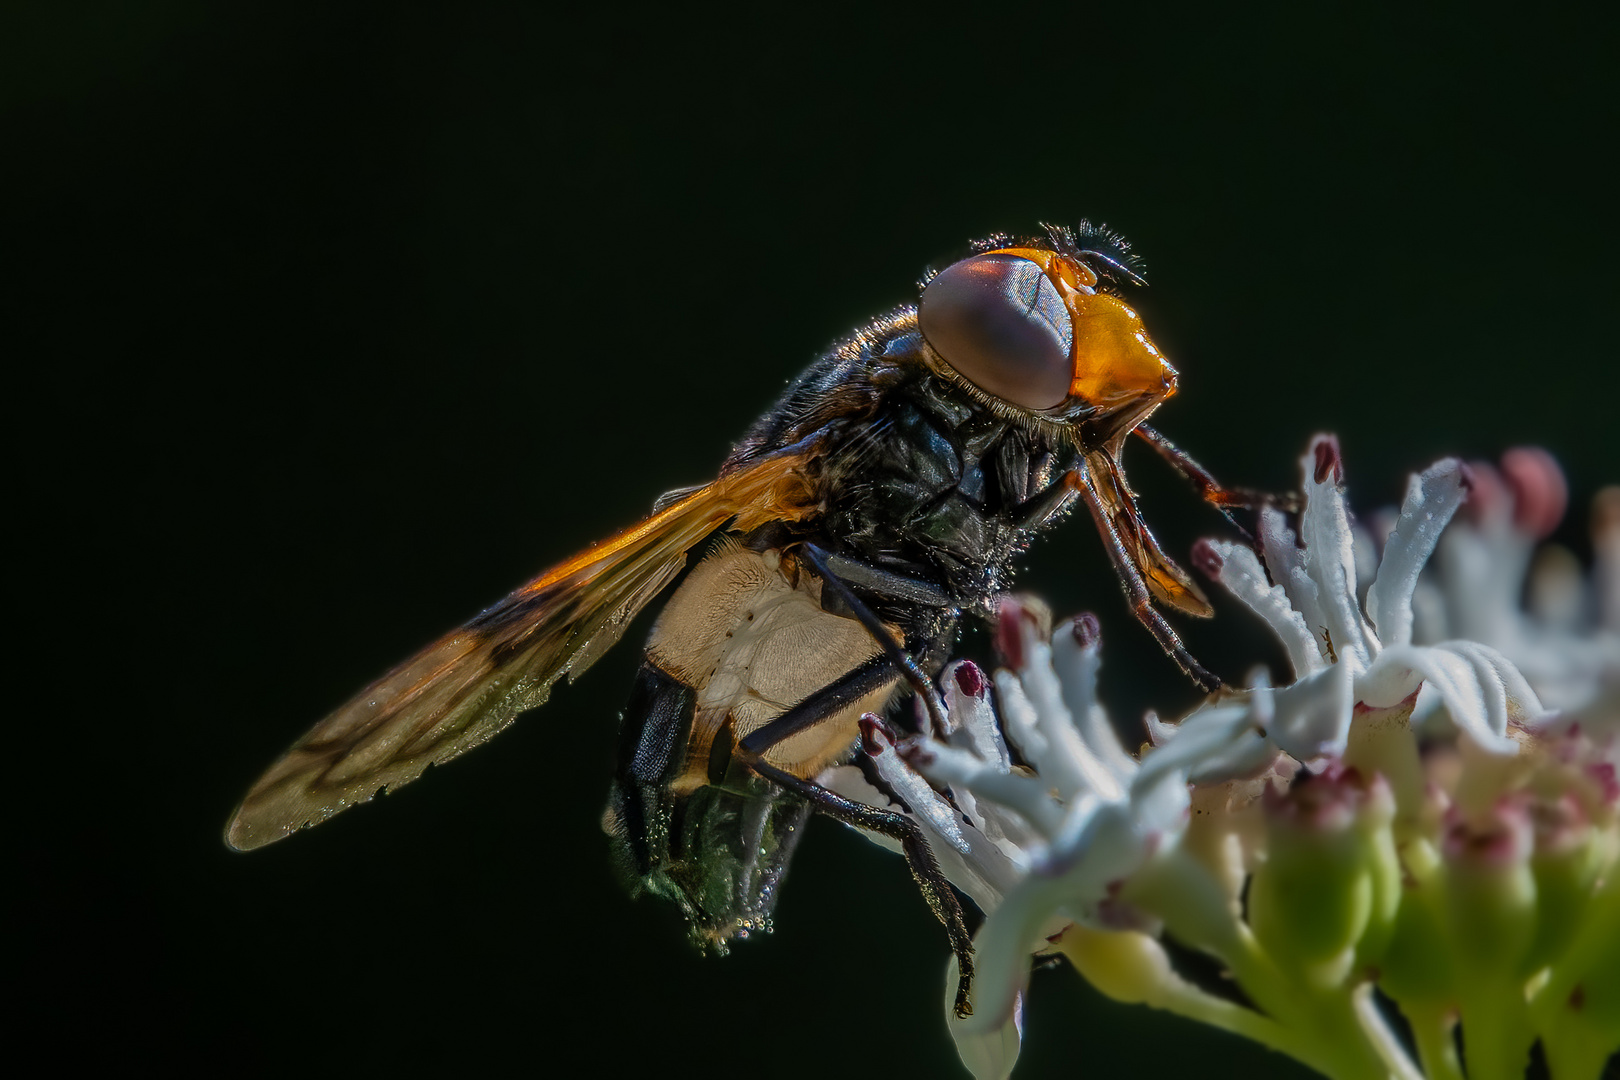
[(1107, 252), (1101, 248)]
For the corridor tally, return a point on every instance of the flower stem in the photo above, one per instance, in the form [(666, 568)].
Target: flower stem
[(1383, 1040), (1100, 955), (1496, 1030), (1325, 1031), (1576, 1009), (1431, 1027), (1350, 1050)]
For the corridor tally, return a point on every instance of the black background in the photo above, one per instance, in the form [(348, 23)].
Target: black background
[(332, 322)]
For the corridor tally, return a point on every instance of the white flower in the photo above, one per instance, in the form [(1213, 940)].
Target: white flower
[(1339, 652), (1087, 850), (1567, 640), (1036, 850)]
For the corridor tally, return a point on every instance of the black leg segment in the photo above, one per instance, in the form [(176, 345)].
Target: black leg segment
[(902, 661), (1209, 489), (924, 867), (820, 706)]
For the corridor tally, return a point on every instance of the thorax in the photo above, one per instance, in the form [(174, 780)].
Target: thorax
[(936, 485)]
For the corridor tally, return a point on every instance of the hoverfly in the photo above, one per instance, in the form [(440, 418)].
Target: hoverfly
[(888, 493)]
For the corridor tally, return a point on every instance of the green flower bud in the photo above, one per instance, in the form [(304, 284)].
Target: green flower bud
[(1416, 965), (1328, 877), (1565, 867), (1490, 892)]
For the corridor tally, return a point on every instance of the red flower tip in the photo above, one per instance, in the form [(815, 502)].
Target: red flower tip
[(1328, 459), (1540, 492)]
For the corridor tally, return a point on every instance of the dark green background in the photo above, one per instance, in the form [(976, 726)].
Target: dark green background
[(332, 322)]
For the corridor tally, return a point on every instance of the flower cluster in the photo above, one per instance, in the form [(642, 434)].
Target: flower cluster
[(1435, 817)]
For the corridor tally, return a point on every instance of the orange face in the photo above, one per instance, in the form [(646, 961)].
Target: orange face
[(1028, 326)]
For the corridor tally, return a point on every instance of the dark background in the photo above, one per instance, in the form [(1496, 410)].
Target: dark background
[(332, 322)]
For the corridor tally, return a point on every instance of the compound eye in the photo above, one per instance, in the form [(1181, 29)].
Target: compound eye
[(999, 321)]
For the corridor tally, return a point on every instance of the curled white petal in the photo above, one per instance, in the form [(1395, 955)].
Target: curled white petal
[(985, 874), (1018, 720), (1477, 686), (1076, 666), (1001, 951), (1028, 797), (1482, 569), (1313, 715), (1283, 554), (927, 805), (1077, 883), (1113, 843), (1069, 763), (1215, 743), (1244, 578), (1431, 499), (1330, 562)]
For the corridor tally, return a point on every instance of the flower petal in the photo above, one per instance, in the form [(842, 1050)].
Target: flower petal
[(985, 874), (930, 809), (1313, 715), (1285, 557), (1431, 500), (1076, 666), (1225, 741), (973, 720), (1479, 689), (1001, 952), (1018, 720), (1330, 558), (1069, 763), (988, 1055), (1026, 796), (1237, 568), (1482, 569)]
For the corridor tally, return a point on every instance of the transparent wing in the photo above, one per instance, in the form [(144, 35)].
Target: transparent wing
[(471, 683)]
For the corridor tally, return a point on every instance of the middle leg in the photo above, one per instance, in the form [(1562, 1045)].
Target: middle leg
[(818, 708)]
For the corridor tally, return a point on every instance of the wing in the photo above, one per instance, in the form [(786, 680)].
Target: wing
[(471, 683)]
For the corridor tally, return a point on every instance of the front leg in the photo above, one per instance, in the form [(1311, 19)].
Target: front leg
[(1209, 489), (1044, 507), (1136, 588)]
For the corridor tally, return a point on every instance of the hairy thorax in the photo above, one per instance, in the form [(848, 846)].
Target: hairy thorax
[(940, 489)]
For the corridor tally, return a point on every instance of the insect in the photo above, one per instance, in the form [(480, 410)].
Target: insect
[(886, 495)]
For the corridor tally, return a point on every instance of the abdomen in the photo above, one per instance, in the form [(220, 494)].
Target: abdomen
[(740, 642)]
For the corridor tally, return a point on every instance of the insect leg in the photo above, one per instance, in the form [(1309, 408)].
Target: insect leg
[(924, 867), (1043, 507), (886, 582), (915, 677), (1209, 489), (1136, 590), (936, 891), (830, 700)]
